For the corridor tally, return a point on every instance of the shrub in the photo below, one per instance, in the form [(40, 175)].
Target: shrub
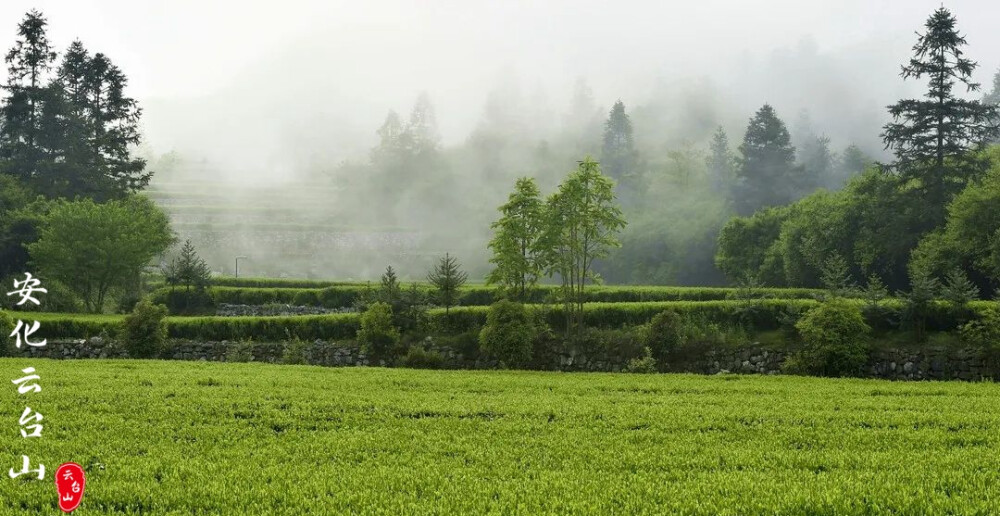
[(240, 351), (645, 364), (144, 331), (508, 334), (663, 335), (835, 339), (377, 335), (418, 358), (294, 351), (983, 332), (6, 327)]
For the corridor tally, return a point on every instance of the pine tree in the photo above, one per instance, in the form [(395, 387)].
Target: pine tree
[(836, 276), (875, 291), (851, 162), (422, 128), (113, 121), (993, 99), (817, 164), (934, 139), (28, 64), (448, 277), (958, 290), (516, 255), (618, 154), (720, 161), (389, 291), (767, 175)]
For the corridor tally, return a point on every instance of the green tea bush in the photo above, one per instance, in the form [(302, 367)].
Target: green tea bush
[(377, 335), (508, 334), (186, 302), (144, 331), (835, 340)]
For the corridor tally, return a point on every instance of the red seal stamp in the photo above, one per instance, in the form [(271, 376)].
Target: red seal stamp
[(69, 484)]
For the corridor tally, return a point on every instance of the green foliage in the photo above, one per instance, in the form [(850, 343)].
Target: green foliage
[(872, 224), (983, 331), (507, 335), (619, 157), (645, 364), (70, 134), (97, 248), (836, 277), (748, 246), (835, 340), (516, 253), (674, 337), (924, 288), (958, 290), (582, 221), (419, 358), (240, 350), (144, 330), (971, 234), (767, 174), (188, 270), (377, 334), (294, 351), (664, 335), (934, 138), (447, 277), (874, 291), (6, 328)]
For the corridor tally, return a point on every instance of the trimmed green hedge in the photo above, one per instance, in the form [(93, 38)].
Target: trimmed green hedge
[(762, 315), (339, 296)]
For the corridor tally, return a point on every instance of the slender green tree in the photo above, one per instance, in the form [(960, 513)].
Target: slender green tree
[(582, 225), (447, 277), (934, 139), (516, 254)]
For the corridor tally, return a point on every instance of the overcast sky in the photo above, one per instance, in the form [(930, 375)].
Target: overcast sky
[(344, 64)]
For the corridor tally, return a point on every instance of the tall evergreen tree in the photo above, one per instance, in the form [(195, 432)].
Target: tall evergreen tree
[(422, 129), (934, 139), (767, 175), (618, 154), (720, 161), (28, 64), (817, 164), (851, 162), (113, 120), (993, 99)]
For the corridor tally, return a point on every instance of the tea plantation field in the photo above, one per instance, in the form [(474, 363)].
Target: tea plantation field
[(214, 438)]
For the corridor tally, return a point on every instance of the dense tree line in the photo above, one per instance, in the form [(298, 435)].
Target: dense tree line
[(924, 214), (68, 174)]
